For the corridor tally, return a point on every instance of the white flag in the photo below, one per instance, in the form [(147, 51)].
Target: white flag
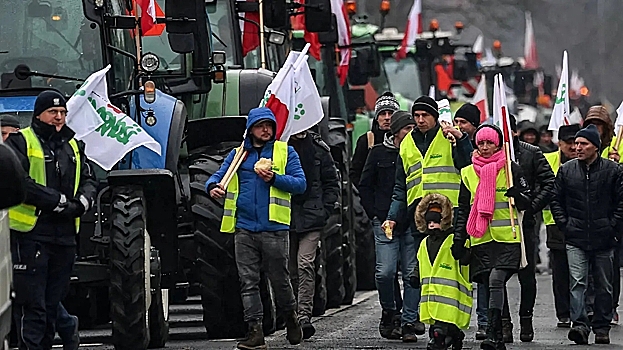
[(619, 122), (82, 118), (560, 113), (445, 113), (431, 92), (117, 134), (501, 117)]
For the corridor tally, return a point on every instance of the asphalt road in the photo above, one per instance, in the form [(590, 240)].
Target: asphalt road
[(355, 327)]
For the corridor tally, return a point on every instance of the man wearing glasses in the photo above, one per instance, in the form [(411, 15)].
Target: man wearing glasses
[(60, 187)]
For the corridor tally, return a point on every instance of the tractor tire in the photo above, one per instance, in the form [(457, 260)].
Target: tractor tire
[(216, 263), (128, 294), (366, 253), (320, 287), (159, 308), (349, 250), (332, 237)]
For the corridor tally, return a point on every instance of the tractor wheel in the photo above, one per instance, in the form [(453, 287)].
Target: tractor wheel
[(320, 287), (350, 267), (159, 308), (335, 261), (366, 255), (129, 266), (216, 263)]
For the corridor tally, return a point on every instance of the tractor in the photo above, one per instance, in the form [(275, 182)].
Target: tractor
[(129, 256)]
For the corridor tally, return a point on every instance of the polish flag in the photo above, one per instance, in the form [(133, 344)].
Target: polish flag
[(148, 14), (480, 99), (501, 116), (343, 31), (279, 95), (250, 31), (298, 23), (414, 27), (532, 60)]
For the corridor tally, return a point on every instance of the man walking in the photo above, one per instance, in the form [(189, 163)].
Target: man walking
[(467, 118), (588, 209), (310, 212), (61, 186), (257, 209), (375, 189)]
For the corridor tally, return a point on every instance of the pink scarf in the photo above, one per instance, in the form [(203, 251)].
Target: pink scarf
[(481, 213)]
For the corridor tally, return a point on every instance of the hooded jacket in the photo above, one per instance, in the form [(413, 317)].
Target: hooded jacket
[(252, 203), (598, 115), (60, 170), (377, 179)]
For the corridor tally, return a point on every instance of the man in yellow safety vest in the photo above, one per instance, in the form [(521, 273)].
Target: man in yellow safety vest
[(257, 210), (60, 187)]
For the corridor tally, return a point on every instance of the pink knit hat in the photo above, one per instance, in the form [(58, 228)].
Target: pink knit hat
[(488, 134)]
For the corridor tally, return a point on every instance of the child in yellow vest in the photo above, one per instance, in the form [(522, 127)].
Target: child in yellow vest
[(446, 291)]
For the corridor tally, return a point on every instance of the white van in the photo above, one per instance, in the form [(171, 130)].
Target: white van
[(5, 279)]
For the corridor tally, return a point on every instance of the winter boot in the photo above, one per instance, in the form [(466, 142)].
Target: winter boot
[(507, 330), (408, 333), (387, 326), (437, 335), (255, 338), (526, 333), (495, 339), (457, 340), (397, 321), (307, 327), (293, 327)]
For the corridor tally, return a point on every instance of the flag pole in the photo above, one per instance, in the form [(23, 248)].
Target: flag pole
[(137, 36)]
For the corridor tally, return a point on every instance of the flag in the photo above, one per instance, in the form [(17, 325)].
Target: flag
[(343, 31), (501, 116), (116, 133), (307, 105), (431, 92), (532, 60), (445, 113), (619, 122), (298, 23), (250, 31), (279, 97), (414, 27), (480, 99), (560, 113), (478, 46), (148, 14)]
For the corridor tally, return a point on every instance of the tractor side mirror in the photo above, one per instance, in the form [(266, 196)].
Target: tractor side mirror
[(355, 99), (92, 11), (318, 16), (38, 9), (181, 23), (547, 84), (330, 36), (275, 14), (364, 64)]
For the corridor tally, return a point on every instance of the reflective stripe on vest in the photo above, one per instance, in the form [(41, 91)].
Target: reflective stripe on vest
[(500, 229), (446, 291), (433, 173), (553, 158), (23, 217), (278, 203)]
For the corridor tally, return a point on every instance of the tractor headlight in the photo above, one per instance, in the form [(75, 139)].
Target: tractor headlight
[(150, 62), (276, 37), (219, 58), (150, 91), (99, 3)]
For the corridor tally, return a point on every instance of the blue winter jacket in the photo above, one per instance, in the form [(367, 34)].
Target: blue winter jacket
[(252, 204)]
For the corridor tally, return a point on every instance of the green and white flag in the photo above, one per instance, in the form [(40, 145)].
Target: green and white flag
[(560, 113), (445, 113), (81, 117), (116, 135)]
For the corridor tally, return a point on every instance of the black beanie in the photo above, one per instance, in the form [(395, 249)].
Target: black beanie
[(469, 112), (426, 104), (433, 216), (386, 102), (48, 99), (400, 119), (9, 120), (591, 134)]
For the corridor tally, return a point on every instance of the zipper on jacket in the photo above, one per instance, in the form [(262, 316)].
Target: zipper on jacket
[(588, 207)]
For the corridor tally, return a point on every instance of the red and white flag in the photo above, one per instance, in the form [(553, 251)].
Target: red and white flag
[(250, 31), (343, 32), (148, 14), (279, 95), (414, 27), (480, 99), (501, 116), (532, 60)]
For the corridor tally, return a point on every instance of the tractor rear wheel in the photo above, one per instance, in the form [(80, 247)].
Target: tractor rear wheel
[(366, 253), (332, 237), (320, 287)]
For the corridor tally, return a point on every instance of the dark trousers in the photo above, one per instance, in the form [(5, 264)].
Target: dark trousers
[(41, 273), (527, 278), (65, 324), (268, 252), (616, 279), (560, 282)]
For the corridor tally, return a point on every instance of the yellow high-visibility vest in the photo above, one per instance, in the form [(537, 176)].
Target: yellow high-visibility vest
[(553, 158), (604, 153), (432, 173), (446, 293), (279, 201), (23, 217), (500, 229)]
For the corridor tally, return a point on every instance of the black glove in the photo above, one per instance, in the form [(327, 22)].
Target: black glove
[(414, 281), (458, 251), (522, 201), (73, 209)]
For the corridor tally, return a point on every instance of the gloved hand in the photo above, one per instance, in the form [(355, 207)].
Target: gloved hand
[(414, 281), (74, 208), (458, 251), (522, 201)]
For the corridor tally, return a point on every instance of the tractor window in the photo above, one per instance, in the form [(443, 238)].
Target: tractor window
[(223, 31), (50, 37), (156, 41), (403, 77)]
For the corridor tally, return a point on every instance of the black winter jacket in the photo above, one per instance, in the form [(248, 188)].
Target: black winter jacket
[(540, 178), (12, 179), (361, 153), (60, 169), (311, 210), (377, 179), (588, 204)]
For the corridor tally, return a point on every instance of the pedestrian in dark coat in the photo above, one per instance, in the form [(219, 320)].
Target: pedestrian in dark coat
[(310, 212), (12, 179)]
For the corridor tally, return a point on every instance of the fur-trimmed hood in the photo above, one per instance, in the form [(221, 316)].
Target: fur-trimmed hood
[(446, 211)]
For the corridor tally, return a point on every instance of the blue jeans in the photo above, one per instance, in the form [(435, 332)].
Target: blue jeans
[(403, 248), (482, 304), (600, 265)]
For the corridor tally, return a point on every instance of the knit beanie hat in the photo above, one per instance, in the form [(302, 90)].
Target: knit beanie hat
[(591, 134), (9, 120), (491, 133), (469, 112), (433, 214), (400, 119), (386, 102), (426, 104), (48, 99)]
